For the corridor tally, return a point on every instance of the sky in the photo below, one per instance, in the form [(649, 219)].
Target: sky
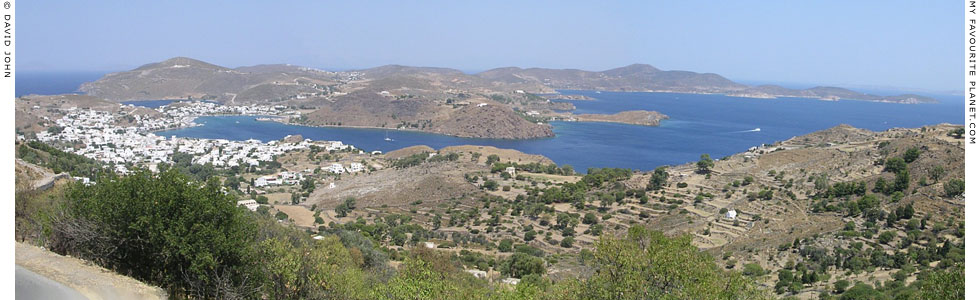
[(900, 44)]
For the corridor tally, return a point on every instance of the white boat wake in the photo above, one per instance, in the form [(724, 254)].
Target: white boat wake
[(750, 130)]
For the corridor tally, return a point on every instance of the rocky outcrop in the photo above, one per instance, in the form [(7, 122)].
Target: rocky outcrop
[(491, 121)]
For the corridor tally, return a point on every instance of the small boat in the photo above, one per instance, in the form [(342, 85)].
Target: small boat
[(387, 138), (757, 129)]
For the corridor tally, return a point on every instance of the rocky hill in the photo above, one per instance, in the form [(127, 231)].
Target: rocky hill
[(437, 100), (646, 78), (182, 77)]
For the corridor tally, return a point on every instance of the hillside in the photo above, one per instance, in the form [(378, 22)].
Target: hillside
[(181, 77), (827, 214), (646, 78), (426, 99), (792, 198), (436, 100)]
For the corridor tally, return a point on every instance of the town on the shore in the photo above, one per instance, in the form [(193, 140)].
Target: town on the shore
[(100, 135)]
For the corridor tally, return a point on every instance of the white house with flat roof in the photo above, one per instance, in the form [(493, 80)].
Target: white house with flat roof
[(250, 204), (355, 167), (335, 168)]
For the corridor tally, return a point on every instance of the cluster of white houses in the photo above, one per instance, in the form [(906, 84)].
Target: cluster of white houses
[(185, 109), (96, 135), (337, 168)]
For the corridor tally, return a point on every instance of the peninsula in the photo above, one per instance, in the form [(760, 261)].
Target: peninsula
[(634, 117)]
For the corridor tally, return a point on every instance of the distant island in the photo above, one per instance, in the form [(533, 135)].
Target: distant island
[(508, 103), (646, 78)]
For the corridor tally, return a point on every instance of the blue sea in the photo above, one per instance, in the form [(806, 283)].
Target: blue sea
[(52, 83), (713, 124)]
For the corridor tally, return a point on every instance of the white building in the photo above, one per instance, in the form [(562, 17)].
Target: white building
[(84, 180), (731, 214), (355, 167), (250, 204), (478, 273), (335, 168)]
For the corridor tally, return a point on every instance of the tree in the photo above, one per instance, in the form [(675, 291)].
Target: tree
[(647, 264), (505, 245), (957, 133), (520, 264), (567, 170), (490, 185), (901, 180), (344, 208), (840, 286), (705, 164), (492, 158), (529, 236), (590, 218), (567, 242), (886, 237), (658, 179), (232, 182), (895, 165), (753, 269), (945, 284), (936, 173), (954, 187), (163, 228), (910, 155)]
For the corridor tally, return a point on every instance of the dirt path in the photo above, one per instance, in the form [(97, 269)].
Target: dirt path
[(91, 281)]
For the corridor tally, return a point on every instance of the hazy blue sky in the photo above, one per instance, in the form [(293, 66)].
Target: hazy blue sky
[(911, 44)]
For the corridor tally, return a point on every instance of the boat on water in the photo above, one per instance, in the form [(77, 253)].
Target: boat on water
[(387, 138)]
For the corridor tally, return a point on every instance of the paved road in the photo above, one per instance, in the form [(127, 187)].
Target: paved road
[(30, 285)]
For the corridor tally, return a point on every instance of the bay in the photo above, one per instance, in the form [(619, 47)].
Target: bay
[(714, 124)]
